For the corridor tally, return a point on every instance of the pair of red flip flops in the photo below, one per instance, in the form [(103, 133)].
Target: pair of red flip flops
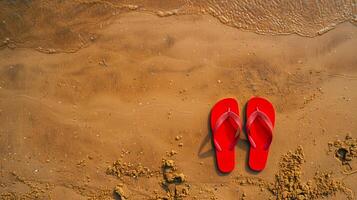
[(226, 127)]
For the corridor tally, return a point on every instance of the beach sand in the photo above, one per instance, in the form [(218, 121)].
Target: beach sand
[(125, 84)]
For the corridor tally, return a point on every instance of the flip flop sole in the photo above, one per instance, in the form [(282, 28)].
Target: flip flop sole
[(258, 131), (225, 134)]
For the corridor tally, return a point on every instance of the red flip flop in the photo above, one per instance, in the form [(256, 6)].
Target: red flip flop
[(260, 123), (226, 127)]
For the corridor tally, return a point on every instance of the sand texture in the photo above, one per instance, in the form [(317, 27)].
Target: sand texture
[(111, 99)]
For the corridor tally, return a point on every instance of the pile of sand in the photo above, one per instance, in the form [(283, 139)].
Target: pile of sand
[(120, 169), (288, 183), (345, 151), (173, 182)]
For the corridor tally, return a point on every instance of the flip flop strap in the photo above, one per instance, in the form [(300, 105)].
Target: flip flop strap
[(225, 116), (267, 122)]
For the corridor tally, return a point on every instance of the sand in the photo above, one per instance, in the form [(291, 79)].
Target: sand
[(94, 95), (346, 152)]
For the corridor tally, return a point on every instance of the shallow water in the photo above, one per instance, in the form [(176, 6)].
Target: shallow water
[(70, 25)]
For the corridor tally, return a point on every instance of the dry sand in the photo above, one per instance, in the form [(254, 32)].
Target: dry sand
[(95, 94)]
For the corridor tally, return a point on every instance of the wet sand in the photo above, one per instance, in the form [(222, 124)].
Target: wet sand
[(69, 109)]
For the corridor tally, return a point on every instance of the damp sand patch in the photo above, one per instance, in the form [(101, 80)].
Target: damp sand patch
[(288, 183), (346, 152)]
